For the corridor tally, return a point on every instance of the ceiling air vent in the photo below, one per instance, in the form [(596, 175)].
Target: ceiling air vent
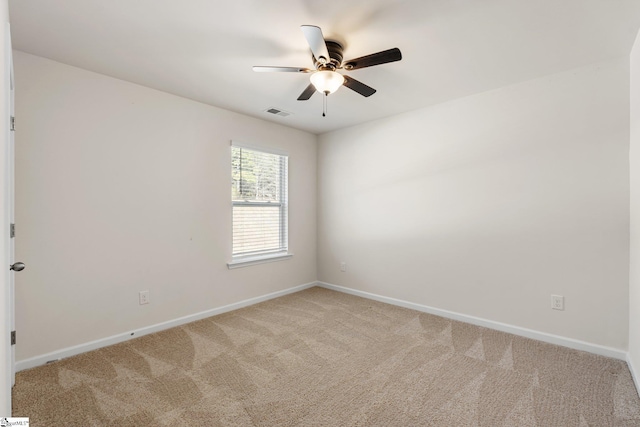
[(277, 112)]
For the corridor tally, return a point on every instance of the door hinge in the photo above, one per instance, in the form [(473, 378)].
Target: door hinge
[(13, 337), (13, 123), (12, 230)]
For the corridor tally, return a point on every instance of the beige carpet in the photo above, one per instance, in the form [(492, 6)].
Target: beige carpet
[(322, 358)]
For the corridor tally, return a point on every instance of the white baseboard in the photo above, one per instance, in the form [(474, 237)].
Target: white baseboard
[(633, 373), (115, 339), (516, 330)]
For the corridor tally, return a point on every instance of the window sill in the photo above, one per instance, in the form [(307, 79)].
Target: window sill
[(260, 259)]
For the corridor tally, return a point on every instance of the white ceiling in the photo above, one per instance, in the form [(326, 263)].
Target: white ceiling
[(204, 49)]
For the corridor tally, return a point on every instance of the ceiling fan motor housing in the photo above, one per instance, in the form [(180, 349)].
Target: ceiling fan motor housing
[(335, 57)]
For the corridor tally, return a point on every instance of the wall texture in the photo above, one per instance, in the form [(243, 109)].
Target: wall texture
[(121, 188), (634, 163), (489, 204)]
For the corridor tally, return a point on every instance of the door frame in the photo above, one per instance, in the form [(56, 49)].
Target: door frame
[(10, 197), (7, 366)]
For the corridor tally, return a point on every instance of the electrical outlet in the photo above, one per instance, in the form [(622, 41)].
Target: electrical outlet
[(557, 302), (144, 297), (343, 266)]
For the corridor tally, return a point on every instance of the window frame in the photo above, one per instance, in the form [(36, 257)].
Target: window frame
[(244, 260)]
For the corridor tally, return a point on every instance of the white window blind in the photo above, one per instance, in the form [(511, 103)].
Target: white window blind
[(259, 196)]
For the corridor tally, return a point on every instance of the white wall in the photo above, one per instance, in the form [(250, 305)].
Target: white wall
[(121, 188), (5, 320), (634, 161), (489, 204)]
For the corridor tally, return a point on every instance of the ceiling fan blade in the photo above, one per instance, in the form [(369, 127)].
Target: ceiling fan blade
[(316, 42), (384, 57), (260, 69), (306, 94), (359, 87)]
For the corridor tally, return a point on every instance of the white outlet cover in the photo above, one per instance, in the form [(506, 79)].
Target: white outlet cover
[(144, 297), (557, 302)]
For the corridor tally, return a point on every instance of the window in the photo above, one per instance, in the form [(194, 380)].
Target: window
[(259, 197)]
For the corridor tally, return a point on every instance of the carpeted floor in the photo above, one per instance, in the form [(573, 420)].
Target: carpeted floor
[(323, 358)]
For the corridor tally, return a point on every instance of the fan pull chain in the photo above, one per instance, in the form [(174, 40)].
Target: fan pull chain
[(324, 104)]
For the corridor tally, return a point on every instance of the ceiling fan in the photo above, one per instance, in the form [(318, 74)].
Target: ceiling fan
[(327, 58)]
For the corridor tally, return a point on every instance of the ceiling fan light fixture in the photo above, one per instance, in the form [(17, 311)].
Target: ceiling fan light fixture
[(327, 81)]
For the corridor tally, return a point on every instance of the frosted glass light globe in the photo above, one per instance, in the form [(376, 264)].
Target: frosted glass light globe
[(327, 81)]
